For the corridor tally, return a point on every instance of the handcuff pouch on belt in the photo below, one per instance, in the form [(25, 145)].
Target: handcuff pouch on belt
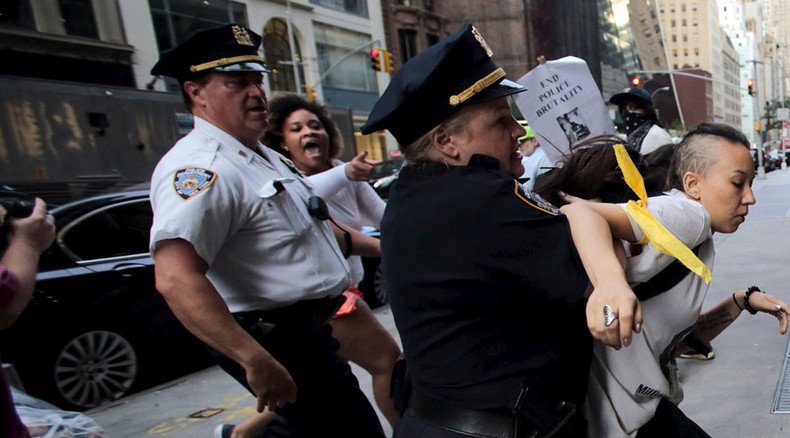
[(400, 385)]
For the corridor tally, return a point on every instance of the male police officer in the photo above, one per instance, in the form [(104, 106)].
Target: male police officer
[(240, 257)]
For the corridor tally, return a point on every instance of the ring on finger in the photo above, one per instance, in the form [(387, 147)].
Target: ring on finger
[(609, 315)]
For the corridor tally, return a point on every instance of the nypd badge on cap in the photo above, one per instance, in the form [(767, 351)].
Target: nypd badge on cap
[(228, 48), (437, 83)]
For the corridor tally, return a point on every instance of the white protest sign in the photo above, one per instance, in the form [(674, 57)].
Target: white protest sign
[(563, 105)]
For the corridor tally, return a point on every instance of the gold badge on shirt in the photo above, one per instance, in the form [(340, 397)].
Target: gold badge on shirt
[(192, 181)]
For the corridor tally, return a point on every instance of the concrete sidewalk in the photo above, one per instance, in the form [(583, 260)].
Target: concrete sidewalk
[(730, 396)]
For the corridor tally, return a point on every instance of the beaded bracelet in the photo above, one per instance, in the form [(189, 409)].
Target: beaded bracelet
[(746, 305)]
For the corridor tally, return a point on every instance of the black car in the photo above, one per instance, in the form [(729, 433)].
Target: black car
[(384, 175), (96, 328)]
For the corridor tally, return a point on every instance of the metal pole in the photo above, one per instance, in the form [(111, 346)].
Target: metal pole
[(291, 43), (671, 72), (756, 100)]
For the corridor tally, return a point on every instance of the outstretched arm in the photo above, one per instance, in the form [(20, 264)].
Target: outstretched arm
[(593, 238), (713, 321)]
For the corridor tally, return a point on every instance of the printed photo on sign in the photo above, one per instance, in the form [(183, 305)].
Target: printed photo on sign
[(573, 125)]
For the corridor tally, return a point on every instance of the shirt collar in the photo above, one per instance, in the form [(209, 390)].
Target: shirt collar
[(227, 140)]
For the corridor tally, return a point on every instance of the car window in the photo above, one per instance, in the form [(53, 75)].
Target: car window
[(112, 232), (387, 168)]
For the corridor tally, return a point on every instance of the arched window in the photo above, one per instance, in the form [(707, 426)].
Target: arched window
[(277, 52)]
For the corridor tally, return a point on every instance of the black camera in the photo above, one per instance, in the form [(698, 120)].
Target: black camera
[(16, 207)]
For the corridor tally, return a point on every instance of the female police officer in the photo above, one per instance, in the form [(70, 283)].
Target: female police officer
[(486, 286)]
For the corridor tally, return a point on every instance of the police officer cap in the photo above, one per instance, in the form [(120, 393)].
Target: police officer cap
[(437, 83), (636, 95), (228, 48)]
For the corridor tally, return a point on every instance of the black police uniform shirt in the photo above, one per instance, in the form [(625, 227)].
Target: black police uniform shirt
[(486, 287)]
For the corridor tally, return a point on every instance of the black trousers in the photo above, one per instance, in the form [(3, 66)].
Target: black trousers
[(670, 421), (329, 401)]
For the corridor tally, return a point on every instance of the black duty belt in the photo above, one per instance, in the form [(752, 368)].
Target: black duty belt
[(475, 422), (302, 316), (534, 419)]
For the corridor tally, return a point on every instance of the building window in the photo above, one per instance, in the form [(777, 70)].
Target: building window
[(16, 13), (356, 7), (408, 44), (695, 37), (431, 39), (78, 18), (683, 22), (696, 51), (683, 7), (674, 38), (352, 73), (685, 52), (675, 52), (693, 7), (176, 20), (277, 52), (672, 23), (695, 22), (685, 37), (675, 66)]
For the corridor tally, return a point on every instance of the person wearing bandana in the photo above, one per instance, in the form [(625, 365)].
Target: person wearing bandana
[(642, 128)]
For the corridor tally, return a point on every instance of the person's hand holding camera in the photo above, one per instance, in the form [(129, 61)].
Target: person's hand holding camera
[(33, 233), (27, 238)]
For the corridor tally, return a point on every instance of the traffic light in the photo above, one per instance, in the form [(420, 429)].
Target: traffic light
[(750, 86), (375, 58), (388, 61), (636, 81), (309, 93)]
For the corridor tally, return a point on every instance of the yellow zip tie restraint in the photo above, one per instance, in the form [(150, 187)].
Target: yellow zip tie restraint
[(655, 232)]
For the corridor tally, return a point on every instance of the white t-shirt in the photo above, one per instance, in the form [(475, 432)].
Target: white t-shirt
[(625, 385), (350, 203), (246, 216)]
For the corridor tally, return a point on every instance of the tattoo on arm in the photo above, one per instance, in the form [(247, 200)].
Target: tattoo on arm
[(714, 320)]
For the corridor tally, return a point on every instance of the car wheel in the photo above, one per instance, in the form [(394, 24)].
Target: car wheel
[(95, 367), (380, 286)]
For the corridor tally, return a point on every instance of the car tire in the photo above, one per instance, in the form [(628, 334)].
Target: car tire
[(380, 286), (94, 367)]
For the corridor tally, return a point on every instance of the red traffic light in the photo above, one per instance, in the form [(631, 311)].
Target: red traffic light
[(375, 59)]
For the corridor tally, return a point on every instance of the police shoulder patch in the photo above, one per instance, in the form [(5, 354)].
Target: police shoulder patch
[(535, 200), (192, 181)]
